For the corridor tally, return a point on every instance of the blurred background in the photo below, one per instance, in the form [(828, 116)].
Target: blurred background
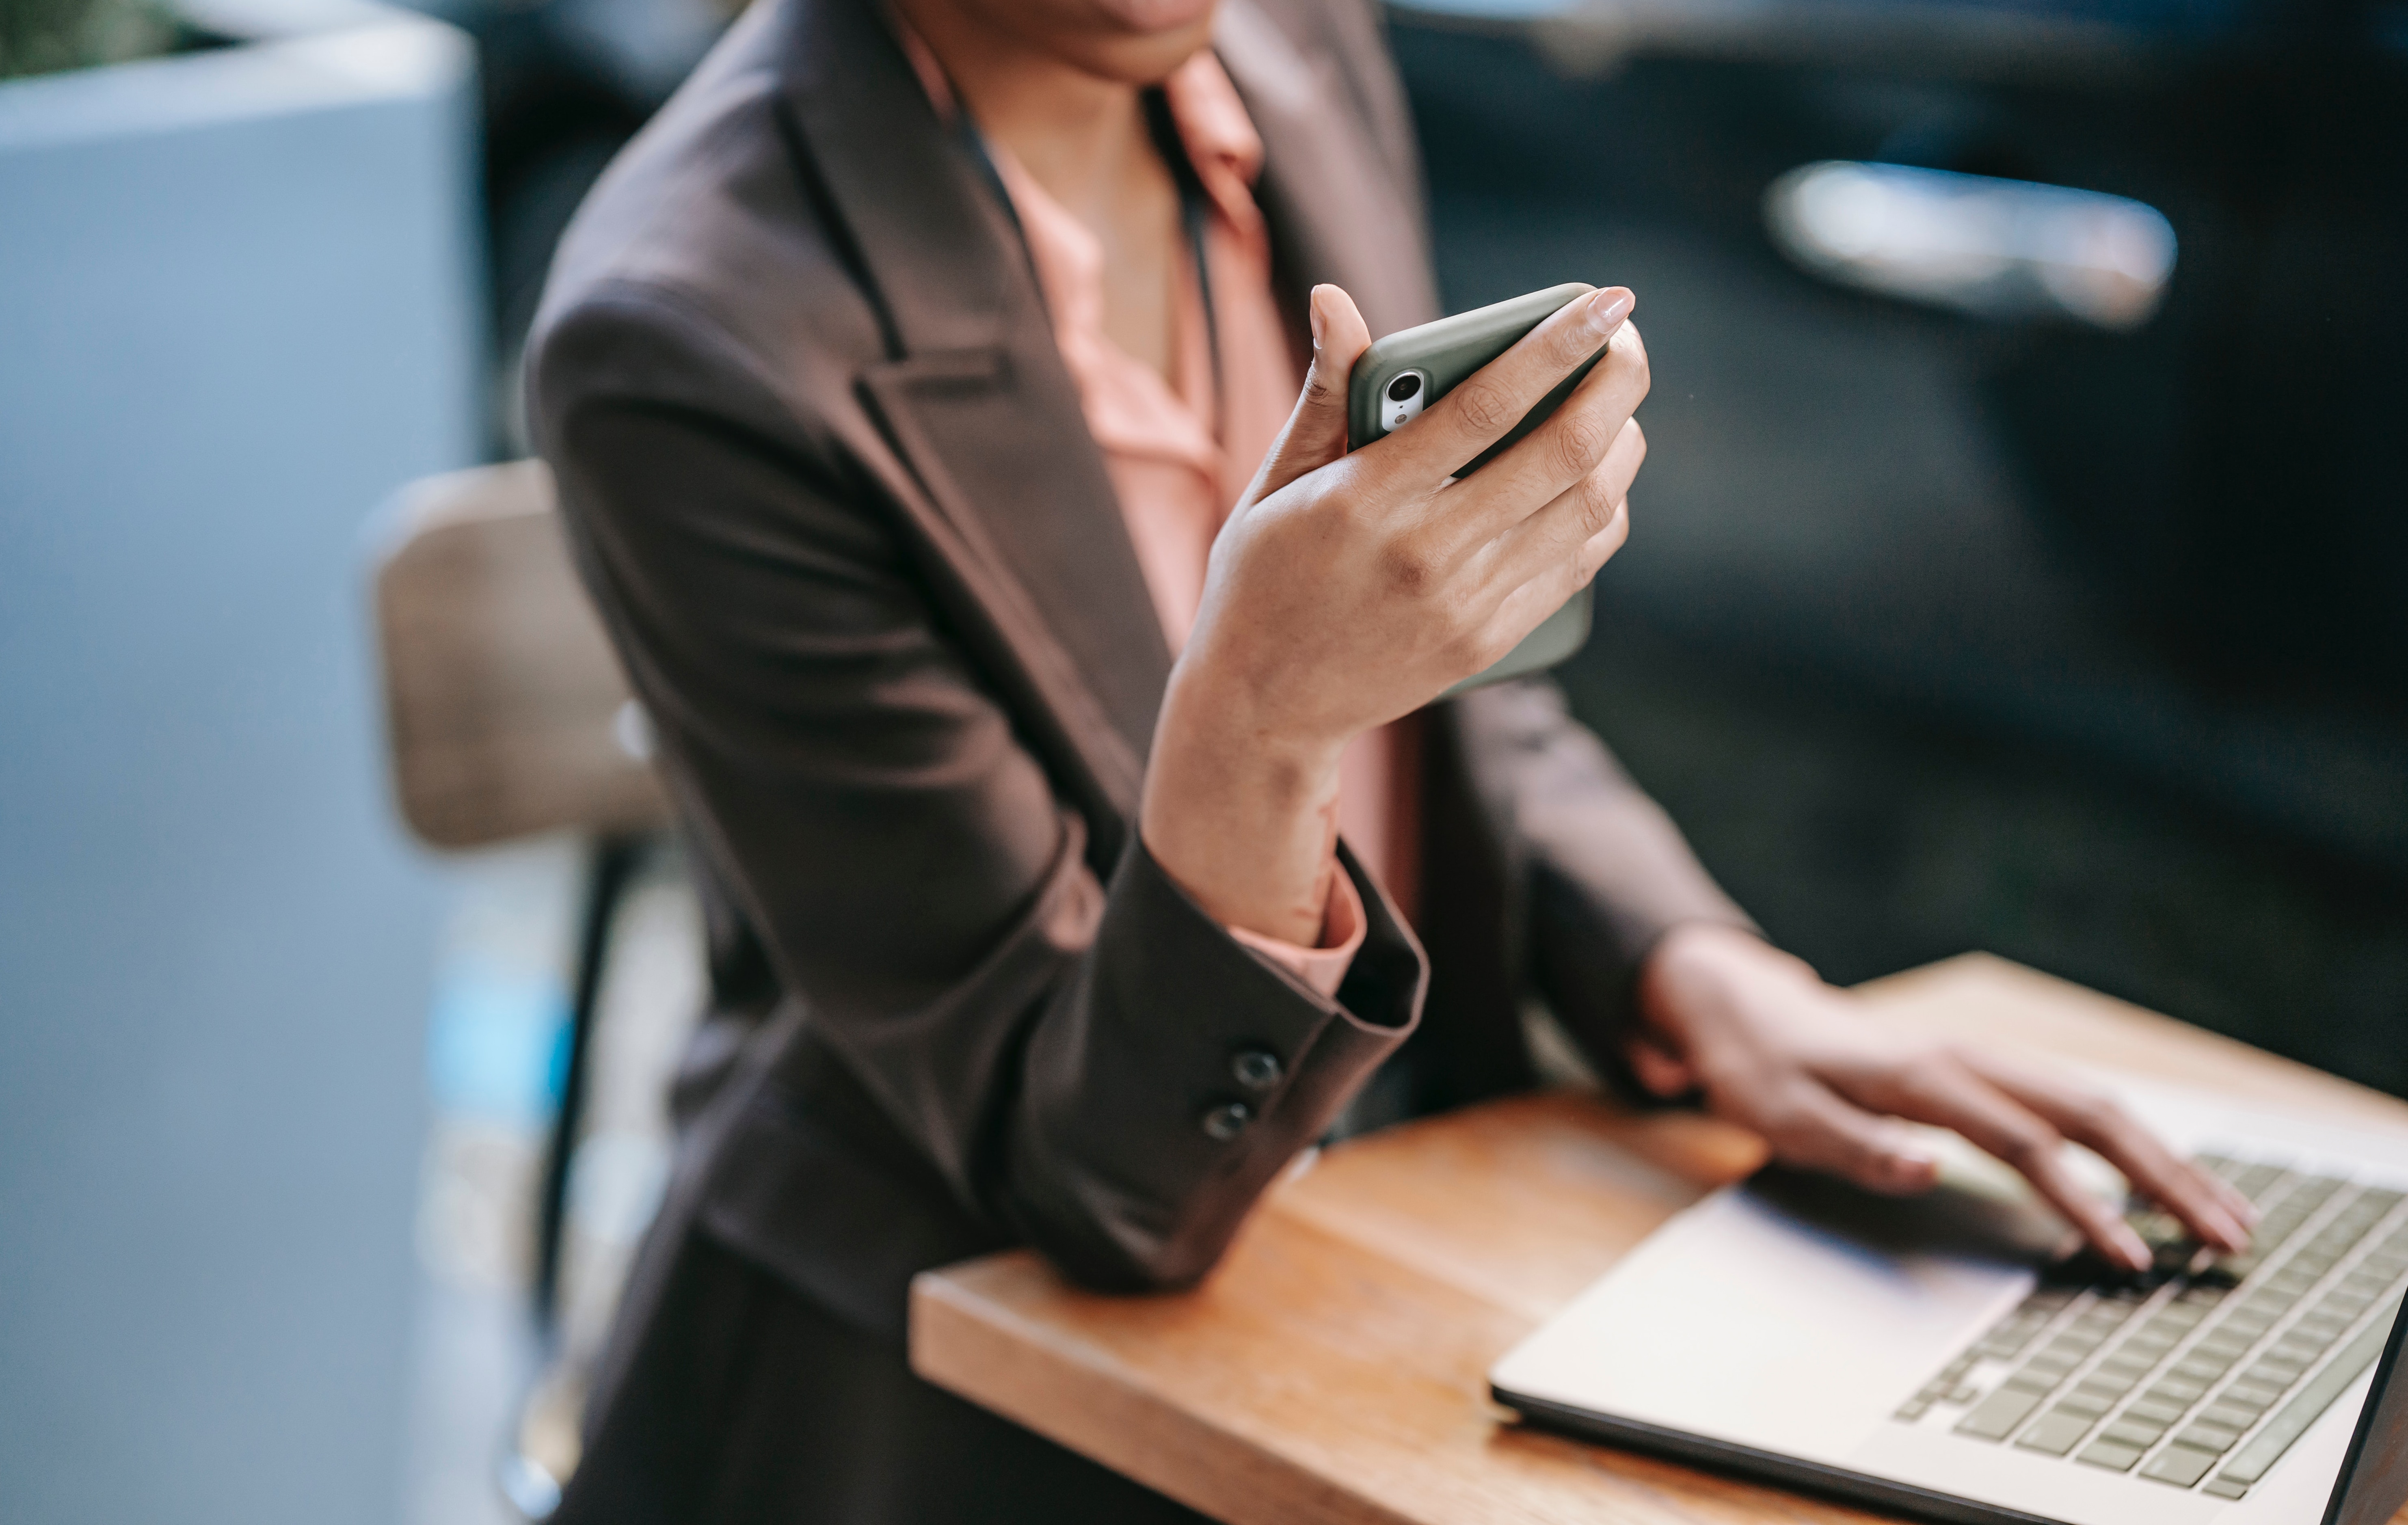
[(2020, 566)]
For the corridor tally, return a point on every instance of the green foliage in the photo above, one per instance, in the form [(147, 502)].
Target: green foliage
[(41, 36)]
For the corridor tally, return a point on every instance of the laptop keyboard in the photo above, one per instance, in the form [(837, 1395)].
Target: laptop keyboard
[(2203, 1372)]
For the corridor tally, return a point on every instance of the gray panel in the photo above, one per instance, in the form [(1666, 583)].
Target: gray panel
[(228, 334)]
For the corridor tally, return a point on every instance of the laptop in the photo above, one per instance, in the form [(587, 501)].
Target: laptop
[(1943, 1356)]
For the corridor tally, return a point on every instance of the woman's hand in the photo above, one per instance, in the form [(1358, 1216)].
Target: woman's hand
[(1778, 1051), (1347, 591)]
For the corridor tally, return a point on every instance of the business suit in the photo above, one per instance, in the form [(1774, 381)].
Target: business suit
[(835, 496)]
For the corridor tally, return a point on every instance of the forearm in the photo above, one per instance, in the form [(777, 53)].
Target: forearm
[(1241, 817), (1609, 876)]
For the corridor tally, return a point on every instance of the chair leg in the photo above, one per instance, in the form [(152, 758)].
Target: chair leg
[(612, 866)]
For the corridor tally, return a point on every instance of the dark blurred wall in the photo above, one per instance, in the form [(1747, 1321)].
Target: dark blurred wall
[(1871, 640)]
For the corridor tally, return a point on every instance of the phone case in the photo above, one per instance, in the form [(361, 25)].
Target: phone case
[(1445, 352)]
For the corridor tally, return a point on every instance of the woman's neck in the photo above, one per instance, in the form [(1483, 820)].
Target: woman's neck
[(1080, 135)]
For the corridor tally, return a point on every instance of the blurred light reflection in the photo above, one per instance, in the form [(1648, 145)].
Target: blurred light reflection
[(2001, 248)]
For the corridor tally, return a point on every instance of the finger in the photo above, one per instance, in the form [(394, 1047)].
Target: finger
[(1548, 541), (2236, 1202), (1316, 430), (1557, 454), (1943, 1092), (1522, 609), (1486, 405), (1809, 1126), (1660, 1071), (2095, 1121)]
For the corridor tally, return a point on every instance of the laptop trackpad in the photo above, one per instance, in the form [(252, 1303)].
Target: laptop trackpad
[(1791, 1314), (1964, 1217)]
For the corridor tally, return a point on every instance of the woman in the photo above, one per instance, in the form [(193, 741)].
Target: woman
[(1075, 858)]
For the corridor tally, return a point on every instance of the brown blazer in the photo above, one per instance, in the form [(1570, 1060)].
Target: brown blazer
[(831, 489)]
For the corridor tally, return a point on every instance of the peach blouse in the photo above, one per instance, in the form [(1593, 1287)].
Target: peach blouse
[(1181, 451)]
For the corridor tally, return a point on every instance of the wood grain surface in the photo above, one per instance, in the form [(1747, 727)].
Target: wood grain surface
[(1334, 1370)]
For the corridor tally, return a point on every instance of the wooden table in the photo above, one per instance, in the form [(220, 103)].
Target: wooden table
[(1334, 1368)]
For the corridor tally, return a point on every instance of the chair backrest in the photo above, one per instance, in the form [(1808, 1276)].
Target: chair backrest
[(507, 711)]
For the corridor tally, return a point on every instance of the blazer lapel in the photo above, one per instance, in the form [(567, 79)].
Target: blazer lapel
[(1342, 187), (991, 454), (982, 417)]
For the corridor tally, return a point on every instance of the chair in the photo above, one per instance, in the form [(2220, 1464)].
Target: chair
[(508, 714)]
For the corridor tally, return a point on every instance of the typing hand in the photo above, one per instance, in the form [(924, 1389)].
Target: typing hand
[(1773, 1048)]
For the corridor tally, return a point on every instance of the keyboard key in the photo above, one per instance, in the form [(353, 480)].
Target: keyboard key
[(2208, 1437), (2111, 1454), (2179, 1465), (2254, 1181), (2225, 1488), (2178, 1389), (2294, 1418), (1996, 1416), (2156, 1411), (2233, 1414), (2088, 1404), (2037, 1383), (2139, 1433), (1913, 1409), (2054, 1432)]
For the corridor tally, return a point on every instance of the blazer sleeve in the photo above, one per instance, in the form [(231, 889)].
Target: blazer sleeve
[(1605, 871), (1091, 1062)]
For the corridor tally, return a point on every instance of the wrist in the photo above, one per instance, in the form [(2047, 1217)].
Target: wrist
[(1240, 815), (1696, 968), (1226, 706)]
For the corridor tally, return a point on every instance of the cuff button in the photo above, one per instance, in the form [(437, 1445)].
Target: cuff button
[(1257, 1069), (1226, 1122)]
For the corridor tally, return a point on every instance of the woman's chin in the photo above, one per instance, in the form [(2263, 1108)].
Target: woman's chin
[(1154, 16)]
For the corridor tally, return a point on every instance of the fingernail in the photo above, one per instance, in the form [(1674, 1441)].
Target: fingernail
[(1606, 310), (1312, 306), (2136, 1253)]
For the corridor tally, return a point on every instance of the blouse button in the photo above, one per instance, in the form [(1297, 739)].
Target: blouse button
[(1226, 1121), (1257, 1069)]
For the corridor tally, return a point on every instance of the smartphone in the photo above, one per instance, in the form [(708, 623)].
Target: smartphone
[(1404, 373)]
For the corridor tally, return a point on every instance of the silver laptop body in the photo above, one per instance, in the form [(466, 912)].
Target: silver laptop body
[(1926, 1355)]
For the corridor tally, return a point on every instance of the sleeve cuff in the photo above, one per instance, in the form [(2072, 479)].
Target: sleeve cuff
[(1322, 969)]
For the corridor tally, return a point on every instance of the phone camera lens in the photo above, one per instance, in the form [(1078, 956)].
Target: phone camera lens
[(1403, 387)]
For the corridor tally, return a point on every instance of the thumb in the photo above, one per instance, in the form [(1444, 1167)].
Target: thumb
[(1316, 432)]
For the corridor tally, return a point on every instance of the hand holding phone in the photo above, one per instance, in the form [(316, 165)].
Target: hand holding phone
[(1348, 590), (1403, 374)]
